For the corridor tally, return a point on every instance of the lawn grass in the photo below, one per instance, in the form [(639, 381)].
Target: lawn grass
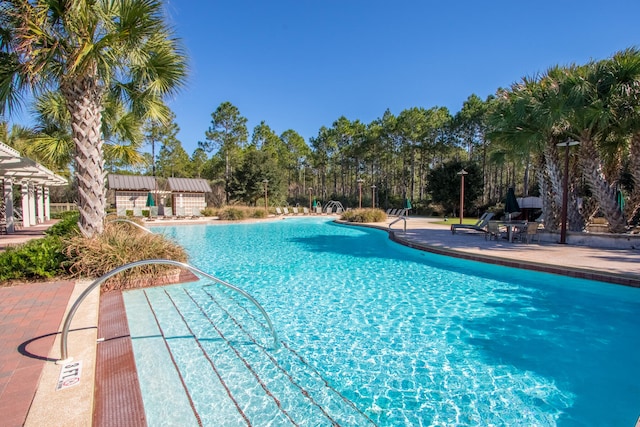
[(456, 220)]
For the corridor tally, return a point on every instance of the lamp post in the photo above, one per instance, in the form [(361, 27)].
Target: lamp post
[(310, 191), (565, 189), (373, 196), (360, 181), (266, 204), (462, 173)]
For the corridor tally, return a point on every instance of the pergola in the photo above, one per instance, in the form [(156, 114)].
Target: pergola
[(34, 180)]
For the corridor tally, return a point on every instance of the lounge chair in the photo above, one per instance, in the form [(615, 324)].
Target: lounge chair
[(286, 211), (278, 211), (480, 225), (153, 211), (318, 210), (168, 212), (305, 211), (295, 211)]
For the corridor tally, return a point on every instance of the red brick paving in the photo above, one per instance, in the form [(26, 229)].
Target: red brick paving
[(30, 317)]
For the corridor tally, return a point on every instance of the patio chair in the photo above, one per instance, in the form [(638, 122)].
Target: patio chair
[(529, 232), (494, 231), (286, 211), (278, 211), (295, 211), (480, 225), (305, 211)]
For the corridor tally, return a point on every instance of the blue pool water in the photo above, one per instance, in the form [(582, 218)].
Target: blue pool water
[(374, 333)]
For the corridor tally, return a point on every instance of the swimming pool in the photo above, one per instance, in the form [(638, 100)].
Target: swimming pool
[(376, 333)]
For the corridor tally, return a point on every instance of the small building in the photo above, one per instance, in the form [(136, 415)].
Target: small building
[(188, 195), (130, 192)]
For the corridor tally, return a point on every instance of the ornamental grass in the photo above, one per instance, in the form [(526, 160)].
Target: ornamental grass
[(120, 244), (364, 215)]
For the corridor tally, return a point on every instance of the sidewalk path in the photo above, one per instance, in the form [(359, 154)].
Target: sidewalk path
[(30, 316), (621, 266), (25, 234)]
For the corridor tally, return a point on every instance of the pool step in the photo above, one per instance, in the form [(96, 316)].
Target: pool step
[(231, 371)]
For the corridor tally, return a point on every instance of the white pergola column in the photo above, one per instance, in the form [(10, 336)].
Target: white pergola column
[(40, 203), (32, 204), (24, 191), (8, 204), (47, 204)]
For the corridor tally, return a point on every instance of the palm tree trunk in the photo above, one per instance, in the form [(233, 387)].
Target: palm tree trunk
[(634, 156), (603, 192), (552, 194), (84, 101)]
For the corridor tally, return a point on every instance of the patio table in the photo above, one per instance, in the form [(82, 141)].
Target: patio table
[(511, 227)]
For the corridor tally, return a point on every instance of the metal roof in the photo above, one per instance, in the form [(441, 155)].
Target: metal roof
[(189, 185), (131, 182), (14, 166)]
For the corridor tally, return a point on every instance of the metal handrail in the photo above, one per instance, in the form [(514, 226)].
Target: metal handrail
[(402, 217), (132, 223), (67, 321)]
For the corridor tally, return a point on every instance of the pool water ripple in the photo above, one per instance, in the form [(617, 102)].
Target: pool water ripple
[(409, 338)]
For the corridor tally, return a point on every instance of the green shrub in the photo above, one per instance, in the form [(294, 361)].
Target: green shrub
[(40, 258), (67, 225), (36, 259), (231, 214), (364, 215), (258, 213)]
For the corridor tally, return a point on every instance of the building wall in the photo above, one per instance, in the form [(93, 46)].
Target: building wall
[(192, 203), (130, 199)]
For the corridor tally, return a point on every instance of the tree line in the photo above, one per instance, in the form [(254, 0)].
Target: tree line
[(520, 137)]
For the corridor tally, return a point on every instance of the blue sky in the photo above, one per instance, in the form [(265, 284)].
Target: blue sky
[(301, 64)]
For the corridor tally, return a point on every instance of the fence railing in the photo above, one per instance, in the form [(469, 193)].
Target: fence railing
[(62, 207)]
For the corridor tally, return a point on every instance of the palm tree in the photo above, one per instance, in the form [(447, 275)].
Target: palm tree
[(86, 49), (598, 95)]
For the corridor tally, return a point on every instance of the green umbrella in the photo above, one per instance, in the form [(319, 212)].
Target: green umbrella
[(150, 201), (315, 203), (407, 203), (620, 200), (511, 204)]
